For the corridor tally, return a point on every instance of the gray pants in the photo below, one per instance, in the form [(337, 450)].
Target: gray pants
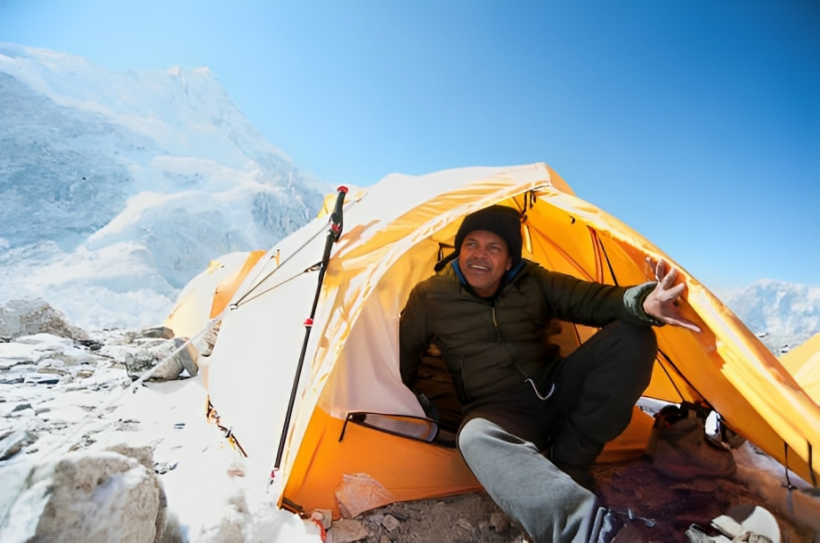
[(502, 439)]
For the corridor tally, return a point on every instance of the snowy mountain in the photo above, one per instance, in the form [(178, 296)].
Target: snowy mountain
[(782, 314), (118, 187)]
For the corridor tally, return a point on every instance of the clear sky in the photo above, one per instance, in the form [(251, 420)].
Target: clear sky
[(695, 122)]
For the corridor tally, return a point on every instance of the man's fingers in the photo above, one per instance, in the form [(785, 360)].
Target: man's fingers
[(683, 323), (669, 279), (660, 270), (671, 294)]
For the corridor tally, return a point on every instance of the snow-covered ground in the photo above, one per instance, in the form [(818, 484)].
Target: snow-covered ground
[(59, 394)]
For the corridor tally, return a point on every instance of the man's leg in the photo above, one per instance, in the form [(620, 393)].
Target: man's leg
[(596, 388), (528, 487)]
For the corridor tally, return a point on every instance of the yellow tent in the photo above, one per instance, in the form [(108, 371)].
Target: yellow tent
[(393, 236), (803, 362), (206, 295)]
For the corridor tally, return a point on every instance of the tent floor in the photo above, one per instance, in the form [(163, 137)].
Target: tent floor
[(673, 505)]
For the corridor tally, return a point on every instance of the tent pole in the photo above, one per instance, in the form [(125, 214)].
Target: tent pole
[(333, 234)]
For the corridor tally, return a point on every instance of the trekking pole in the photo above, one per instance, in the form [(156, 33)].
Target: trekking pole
[(333, 235)]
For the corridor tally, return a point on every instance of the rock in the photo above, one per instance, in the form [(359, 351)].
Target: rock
[(37, 379), (143, 455), (14, 354), (157, 332), (464, 524), (347, 531), (100, 496), (499, 522), (43, 350), (173, 355), (52, 366), (390, 522), (90, 344), (14, 443), (323, 517), (164, 467), (46, 341), (385, 539), (359, 492), (26, 317), (21, 407)]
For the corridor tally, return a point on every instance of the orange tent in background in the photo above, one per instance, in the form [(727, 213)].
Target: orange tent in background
[(803, 362), (353, 418), (207, 294)]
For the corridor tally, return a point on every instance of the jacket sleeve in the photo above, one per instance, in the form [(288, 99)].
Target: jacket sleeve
[(413, 338), (593, 304)]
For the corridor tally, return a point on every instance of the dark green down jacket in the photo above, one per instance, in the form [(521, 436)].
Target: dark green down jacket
[(492, 345)]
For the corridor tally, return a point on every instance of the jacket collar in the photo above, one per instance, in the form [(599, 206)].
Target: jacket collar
[(507, 279)]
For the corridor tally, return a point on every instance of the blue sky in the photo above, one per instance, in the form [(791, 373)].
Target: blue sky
[(695, 122)]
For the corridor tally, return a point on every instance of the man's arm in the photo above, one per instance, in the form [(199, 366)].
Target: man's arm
[(596, 304), (591, 303), (413, 338)]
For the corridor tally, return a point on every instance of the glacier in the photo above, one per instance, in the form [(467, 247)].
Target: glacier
[(119, 187)]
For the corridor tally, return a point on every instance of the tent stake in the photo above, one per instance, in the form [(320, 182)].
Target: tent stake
[(333, 235)]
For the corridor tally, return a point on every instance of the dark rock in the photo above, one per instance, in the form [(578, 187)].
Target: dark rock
[(21, 407), (164, 467), (90, 344), (38, 379)]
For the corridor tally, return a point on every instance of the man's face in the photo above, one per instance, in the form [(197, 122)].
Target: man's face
[(483, 259)]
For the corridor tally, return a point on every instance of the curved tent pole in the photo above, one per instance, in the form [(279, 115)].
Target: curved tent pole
[(333, 235)]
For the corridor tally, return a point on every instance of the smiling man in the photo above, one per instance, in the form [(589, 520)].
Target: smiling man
[(534, 422)]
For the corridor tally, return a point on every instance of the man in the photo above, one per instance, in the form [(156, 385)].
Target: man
[(533, 422)]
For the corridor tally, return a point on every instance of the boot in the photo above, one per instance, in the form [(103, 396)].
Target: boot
[(683, 450)]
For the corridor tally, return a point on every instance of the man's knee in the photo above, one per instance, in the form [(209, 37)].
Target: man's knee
[(479, 435), (635, 349), (468, 434), (639, 341)]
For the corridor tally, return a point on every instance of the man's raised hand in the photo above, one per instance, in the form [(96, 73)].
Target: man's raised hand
[(661, 302)]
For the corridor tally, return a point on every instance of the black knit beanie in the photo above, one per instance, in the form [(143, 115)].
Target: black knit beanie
[(502, 221)]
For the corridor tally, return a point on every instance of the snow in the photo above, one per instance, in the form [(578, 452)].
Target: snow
[(209, 499), (121, 186)]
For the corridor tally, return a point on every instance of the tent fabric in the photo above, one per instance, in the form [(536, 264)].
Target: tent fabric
[(394, 234), (207, 294), (803, 362), (227, 286)]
